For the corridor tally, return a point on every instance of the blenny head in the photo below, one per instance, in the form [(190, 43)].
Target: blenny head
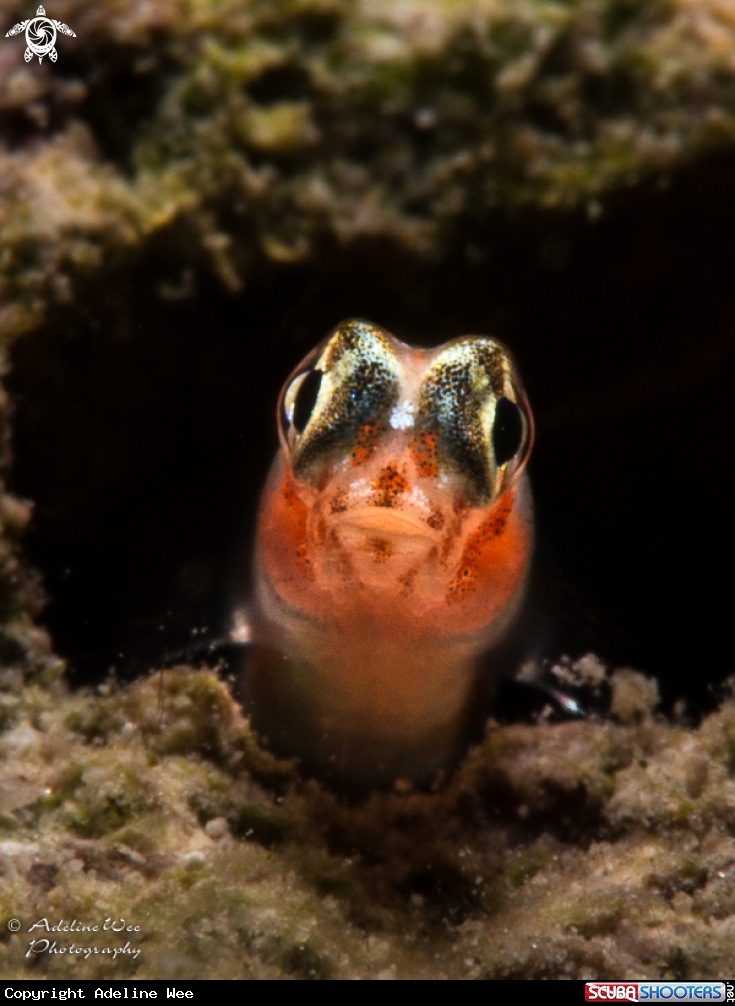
[(398, 455)]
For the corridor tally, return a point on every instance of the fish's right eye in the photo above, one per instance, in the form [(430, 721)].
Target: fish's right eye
[(507, 431), (301, 397)]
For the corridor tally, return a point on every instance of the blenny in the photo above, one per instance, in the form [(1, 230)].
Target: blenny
[(393, 547)]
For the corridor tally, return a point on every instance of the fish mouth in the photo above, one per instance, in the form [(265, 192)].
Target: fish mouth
[(390, 521)]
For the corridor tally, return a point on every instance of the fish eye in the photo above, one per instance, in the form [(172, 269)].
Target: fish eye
[(507, 431), (305, 400), (301, 397)]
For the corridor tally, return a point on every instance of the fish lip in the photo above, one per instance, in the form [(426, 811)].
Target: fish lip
[(410, 521)]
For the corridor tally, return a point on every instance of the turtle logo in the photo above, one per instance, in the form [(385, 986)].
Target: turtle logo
[(40, 35)]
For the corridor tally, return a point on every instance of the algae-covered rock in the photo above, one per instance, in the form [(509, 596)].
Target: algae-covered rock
[(576, 850), (270, 127)]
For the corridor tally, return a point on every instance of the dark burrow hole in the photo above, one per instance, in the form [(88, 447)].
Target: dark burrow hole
[(145, 423)]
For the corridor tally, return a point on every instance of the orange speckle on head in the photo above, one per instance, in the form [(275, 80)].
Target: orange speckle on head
[(380, 548), (389, 486), (435, 520), (424, 450), (295, 514), (407, 580), (365, 443), (338, 503), (482, 550)]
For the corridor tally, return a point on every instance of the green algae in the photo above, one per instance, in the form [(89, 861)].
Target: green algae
[(509, 869), (269, 128)]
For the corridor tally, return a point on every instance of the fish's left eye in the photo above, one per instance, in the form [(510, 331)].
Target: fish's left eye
[(300, 399), (507, 431), (305, 400)]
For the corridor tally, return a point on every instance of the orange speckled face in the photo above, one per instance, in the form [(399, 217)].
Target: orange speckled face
[(400, 491)]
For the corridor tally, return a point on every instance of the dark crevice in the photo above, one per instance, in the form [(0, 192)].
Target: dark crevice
[(145, 421), (282, 83)]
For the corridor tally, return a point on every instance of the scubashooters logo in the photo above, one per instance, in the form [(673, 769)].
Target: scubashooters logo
[(656, 991), (40, 35)]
